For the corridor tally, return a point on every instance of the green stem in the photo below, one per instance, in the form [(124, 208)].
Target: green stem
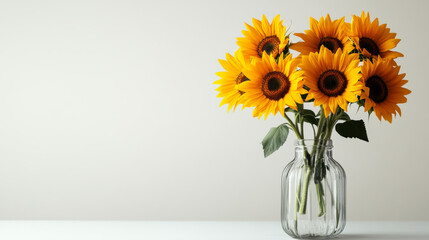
[(332, 119), (297, 196), (324, 132), (321, 122), (294, 128), (304, 193), (321, 199), (299, 136), (320, 127)]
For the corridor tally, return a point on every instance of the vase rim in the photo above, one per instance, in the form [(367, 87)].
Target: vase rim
[(313, 142)]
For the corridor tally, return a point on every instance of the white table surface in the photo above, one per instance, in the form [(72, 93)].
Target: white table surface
[(162, 230)]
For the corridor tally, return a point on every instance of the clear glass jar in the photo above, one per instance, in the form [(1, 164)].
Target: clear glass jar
[(313, 203)]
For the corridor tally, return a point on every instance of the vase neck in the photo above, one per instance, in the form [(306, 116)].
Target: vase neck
[(314, 148)]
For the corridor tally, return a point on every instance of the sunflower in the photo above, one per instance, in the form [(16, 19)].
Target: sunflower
[(331, 34), (272, 85), (372, 39), (383, 89), (263, 37), (333, 79), (230, 78)]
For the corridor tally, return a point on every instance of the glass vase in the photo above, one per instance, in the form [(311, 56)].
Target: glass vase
[(313, 203)]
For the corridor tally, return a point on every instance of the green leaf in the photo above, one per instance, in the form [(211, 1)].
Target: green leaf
[(307, 115), (352, 129), (300, 107), (361, 103), (311, 119), (318, 113), (344, 116), (275, 138), (308, 112), (304, 97), (288, 109)]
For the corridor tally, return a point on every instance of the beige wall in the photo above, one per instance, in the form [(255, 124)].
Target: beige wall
[(108, 111)]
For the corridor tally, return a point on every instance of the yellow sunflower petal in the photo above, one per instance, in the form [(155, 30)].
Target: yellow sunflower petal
[(263, 37), (372, 39), (230, 79), (332, 78), (272, 88), (325, 32), (383, 89)]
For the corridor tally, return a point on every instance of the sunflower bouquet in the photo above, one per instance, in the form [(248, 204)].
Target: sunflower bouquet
[(339, 64)]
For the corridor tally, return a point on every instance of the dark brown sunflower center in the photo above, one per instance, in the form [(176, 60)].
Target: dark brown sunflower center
[(377, 89), (331, 43), (270, 45), (369, 45), (332, 83), (241, 78), (275, 85)]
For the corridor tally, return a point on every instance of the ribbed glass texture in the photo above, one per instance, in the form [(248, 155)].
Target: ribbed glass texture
[(313, 203)]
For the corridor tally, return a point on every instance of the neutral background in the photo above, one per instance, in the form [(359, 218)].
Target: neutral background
[(108, 111)]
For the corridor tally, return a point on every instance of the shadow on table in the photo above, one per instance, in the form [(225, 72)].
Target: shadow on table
[(381, 236)]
